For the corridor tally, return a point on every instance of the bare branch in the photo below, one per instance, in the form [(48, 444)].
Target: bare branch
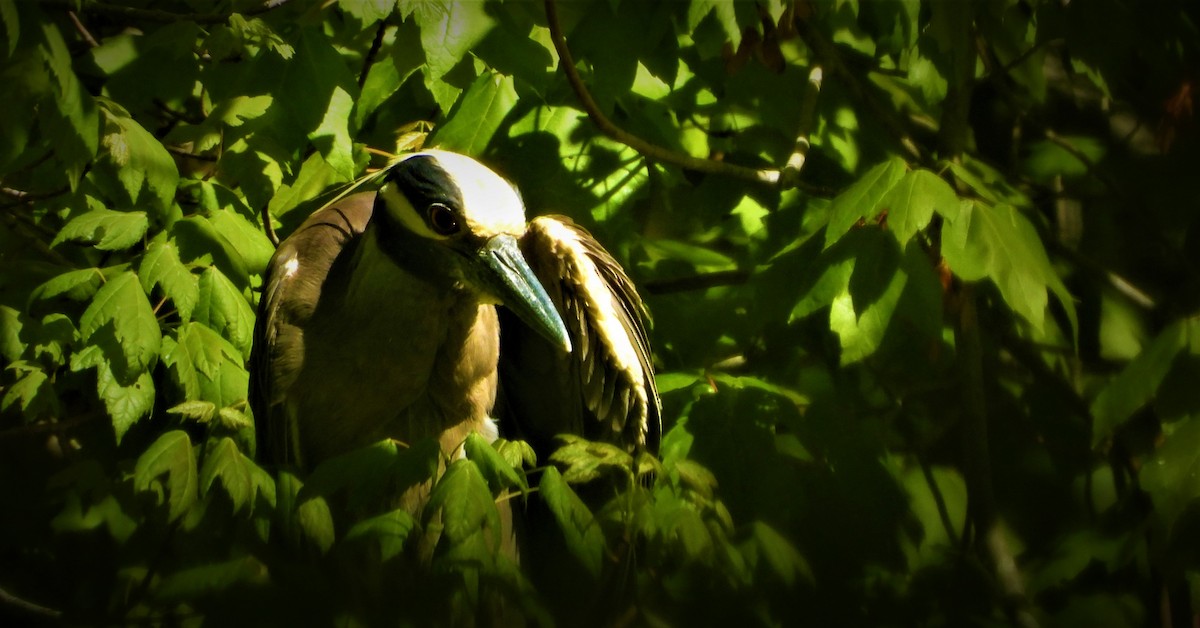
[(651, 151), (808, 107), (83, 31)]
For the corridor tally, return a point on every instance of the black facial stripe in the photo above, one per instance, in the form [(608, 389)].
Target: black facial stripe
[(423, 181)]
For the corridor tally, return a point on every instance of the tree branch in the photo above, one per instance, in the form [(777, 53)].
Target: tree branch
[(156, 15), (28, 608), (648, 150)]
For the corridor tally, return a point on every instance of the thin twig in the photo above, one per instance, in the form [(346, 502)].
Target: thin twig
[(269, 228), (651, 151), (27, 607), (369, 60), (83, 31), (940, 501)]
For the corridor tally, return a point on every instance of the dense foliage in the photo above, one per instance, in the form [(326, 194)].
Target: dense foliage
[(941, 369)]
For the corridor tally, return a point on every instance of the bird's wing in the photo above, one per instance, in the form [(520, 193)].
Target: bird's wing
[(291, 288), (604, 389)]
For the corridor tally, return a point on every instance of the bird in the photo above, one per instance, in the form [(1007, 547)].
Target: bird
[(379, 319)]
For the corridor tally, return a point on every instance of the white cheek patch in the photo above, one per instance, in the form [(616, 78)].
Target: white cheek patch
[(491, 205)]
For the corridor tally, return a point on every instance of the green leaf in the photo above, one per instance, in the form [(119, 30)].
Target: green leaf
[(783, 558), (317, 95), (583, 536), (998, 243), (449, 30), (911, 203), (726, 16), (225, 462), (464, 503), (77, 285), (470, 126), (1136, 385), (139, 159), (69, 117), (126, 403), (387, 75), (199, 411), (247, 239), (368, 11), (171, 456), (1169, 475), (108, 230), (315, 177), (374, 474), (162, 267), (205, 365), (223, 309), (860, 316), (12, 26), (499, 473), (517, 453), (389, 530), (863, 200), (1048, 159), (33, 393), (587, 460), (188, 585), (121, 306)]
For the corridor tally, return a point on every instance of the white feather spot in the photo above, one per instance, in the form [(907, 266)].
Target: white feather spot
[(291, 266)]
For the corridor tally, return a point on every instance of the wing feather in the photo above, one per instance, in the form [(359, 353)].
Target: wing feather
[(605, 388), (293, 282)]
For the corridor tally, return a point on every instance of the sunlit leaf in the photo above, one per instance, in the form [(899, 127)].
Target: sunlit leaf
[(121, 305), (864, 199), (223, 309), (108, 230), (999, 243), (462, 499), (225, 463), (162, 267), (471, 125), (914, 199), (171, 456), (495, 469)]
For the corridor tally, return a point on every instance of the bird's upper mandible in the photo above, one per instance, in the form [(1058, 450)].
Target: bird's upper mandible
[(442, 239)]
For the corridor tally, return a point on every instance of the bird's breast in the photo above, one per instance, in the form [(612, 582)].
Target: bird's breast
[(408, 359)]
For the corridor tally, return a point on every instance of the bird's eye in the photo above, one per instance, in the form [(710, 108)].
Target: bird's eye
[(442, 219)]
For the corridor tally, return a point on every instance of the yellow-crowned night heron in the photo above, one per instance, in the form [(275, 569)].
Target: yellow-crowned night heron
[(378, 321)]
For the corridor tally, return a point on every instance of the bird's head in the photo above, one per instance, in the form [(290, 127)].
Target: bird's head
[(470, 219)]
